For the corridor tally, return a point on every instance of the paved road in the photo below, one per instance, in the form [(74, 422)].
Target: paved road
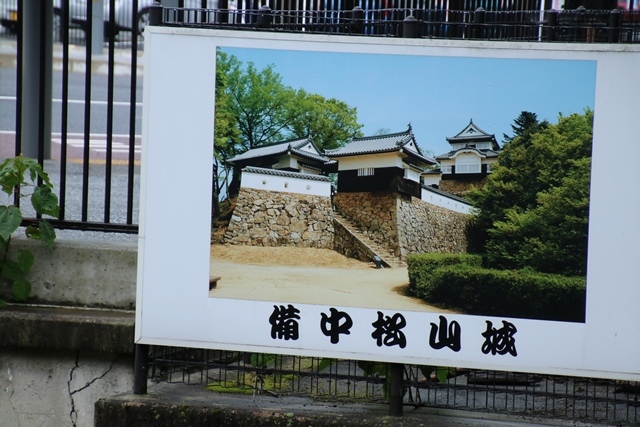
[(75, 143)]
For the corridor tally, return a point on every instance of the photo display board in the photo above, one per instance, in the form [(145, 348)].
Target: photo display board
[(436, 87)]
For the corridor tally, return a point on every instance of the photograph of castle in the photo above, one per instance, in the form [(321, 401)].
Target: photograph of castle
[(374, 159)]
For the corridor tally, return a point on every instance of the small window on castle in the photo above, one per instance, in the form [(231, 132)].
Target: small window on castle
[(365, 171), (286, 185)]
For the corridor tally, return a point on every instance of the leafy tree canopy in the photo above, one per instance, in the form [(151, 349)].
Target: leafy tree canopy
[(267, 111), (533, 210), (254, 108)]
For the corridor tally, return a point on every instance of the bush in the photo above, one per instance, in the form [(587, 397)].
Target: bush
[(505, 293), (421, 266)]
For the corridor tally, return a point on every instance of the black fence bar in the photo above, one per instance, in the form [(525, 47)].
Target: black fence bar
[(64, 125), (84, 212), (110, 83), (132, 119), (19, 51)]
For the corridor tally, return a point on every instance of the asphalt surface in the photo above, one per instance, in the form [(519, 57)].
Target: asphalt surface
[(96, 189)]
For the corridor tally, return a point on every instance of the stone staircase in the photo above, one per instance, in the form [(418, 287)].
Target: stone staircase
[(389, 260)]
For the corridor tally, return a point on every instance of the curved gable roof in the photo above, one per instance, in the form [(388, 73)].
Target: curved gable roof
[(394, 142), (472, 133), (279, 148), (481, 153)]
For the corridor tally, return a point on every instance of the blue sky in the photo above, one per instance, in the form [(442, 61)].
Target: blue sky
[(437, 95)]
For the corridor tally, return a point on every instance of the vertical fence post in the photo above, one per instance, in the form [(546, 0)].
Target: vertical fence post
[(357, 20), (478, 23), (581, 29), (410, 29), (613, 30), (140, 369), (396, 374), (155, 14), (264, 17), (223, 14), (551, 25), (37, 78)]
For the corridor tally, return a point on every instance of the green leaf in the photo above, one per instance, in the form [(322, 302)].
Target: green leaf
[(325, 363), (11, 270), (261, 360), (45, 201), (10, 220), (25, 260), (3, 303), (9, 176), (443, 373), (32, 232), (47, 234), (21, 289)]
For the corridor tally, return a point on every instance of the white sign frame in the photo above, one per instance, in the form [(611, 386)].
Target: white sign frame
[(173, 307)]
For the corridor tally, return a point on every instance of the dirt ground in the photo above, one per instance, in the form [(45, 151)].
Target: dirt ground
[(309, 276)]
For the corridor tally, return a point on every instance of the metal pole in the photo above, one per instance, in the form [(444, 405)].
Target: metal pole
[(155, 14), (410, 27), (97, 26), (552, 24), (37, 59), (141, 369), (396, 375), (613, 30), (265, 17), (357, 20), (479, 21)]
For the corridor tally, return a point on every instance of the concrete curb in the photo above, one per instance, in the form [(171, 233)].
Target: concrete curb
[(63, 328), (178, 405)]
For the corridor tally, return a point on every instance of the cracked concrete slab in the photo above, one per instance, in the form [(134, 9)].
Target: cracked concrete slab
[(58, 388)]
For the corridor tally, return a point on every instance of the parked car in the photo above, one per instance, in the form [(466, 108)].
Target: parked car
[(9, 14), (125, 18)]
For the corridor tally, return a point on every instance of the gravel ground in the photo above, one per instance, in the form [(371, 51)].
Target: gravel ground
[(311, 276)]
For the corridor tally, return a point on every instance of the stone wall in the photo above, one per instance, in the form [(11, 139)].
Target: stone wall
[(348, 245), (404, 225), (426, 228), (460, 188), (374, 213), (265, 218)]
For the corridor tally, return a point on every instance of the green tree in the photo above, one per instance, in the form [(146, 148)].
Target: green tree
[(227, 134), (330, 122), (254, 108), (533, 210)]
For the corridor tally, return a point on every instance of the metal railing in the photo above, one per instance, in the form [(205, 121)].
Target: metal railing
[(579, 25), (533, 395), (95, 172)]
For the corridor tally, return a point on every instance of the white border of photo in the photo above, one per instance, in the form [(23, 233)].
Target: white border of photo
[(173, 305)]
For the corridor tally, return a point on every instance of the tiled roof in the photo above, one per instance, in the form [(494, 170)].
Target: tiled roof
[(436, 171), (471, 132), (380, 144), (288, 174), (482, 152), (372, 144), (308, 155), (281, 148)]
